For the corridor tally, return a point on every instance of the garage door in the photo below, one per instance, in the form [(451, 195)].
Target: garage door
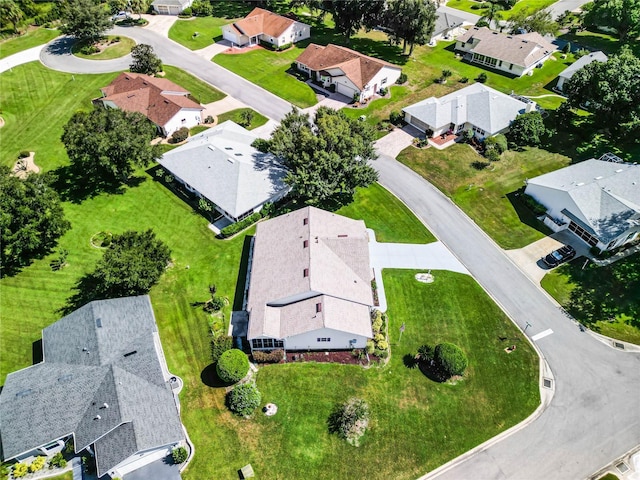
[(345, 90)]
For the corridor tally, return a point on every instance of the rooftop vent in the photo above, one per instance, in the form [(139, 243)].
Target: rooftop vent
[(97, 417), (238, 154), (65, 378), (212, 148), (130, 353), (229, 159), (105, 405), (619, 170), (598, 177), (99, 322), (24, 393), (580, 184), (228, 148)]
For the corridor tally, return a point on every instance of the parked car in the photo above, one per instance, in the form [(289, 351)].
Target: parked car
[(561, 255), (121, 16)]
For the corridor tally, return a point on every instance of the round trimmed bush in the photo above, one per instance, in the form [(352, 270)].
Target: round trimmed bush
[(232, 366), (244, 399), (450, 358)]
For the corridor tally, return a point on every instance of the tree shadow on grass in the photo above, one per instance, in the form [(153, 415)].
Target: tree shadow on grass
[(432, 371), (210, 378), (525, 215), (409, 361), (87, 289)]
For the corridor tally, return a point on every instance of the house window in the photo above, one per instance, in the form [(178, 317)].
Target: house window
[(305, 244), (500, 63), (324, 339), (510, 66), (318, 307), (384, 80), (305, 272), (305, 221), (258, 343), (184, 120), (583, 234)]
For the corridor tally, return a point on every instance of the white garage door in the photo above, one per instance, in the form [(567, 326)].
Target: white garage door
[(345, 90)]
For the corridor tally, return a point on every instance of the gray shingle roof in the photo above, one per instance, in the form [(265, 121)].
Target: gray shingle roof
[(568, 72), (282, 300), (606, 195), (89, 361), (482, 106), (446, 21), (221, 165)]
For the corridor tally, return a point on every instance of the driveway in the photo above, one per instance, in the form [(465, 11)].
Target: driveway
[(160, 24), (26, 56), (163, 469), (593, 416), (562, 6), (396, 141)]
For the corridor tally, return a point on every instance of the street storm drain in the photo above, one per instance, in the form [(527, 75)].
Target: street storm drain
[(622, 467), (547, 383), (618, 345)]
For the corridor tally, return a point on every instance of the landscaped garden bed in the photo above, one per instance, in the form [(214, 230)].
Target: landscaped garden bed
[(106, 49)]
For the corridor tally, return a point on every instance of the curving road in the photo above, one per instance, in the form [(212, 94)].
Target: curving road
[(593, 416), (57, 56)]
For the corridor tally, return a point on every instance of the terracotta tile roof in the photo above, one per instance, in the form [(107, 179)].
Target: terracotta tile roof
[(524, 50), (155, 98), (358, 68), (260, 21)]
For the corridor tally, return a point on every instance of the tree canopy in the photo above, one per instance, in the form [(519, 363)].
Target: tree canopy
[(623, 15), (326, 160), (106, 143), (145, 60), (540, 21), (411, 21), (611, 91), (31, 219), (352, 15), (527, 129), (10, 13), (85, 19)]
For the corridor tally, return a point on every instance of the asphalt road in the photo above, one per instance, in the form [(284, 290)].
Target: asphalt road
[(57, 56), (593, 416)]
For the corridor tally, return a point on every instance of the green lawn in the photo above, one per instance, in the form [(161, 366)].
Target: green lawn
[(32, 38), (269, 70), (387, 216), (235, 115), (595, 40), (208, 31), (530, 5), (200, 90), (113, 50), (487, 196), (416, 424)]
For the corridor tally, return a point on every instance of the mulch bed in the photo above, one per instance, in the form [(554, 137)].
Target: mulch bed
[(345, 358)]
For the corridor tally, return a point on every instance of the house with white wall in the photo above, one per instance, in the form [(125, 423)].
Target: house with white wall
[(477, 107), (163, 102), (513, 54), (103, 385), (583, 61), (597, 200), (310, 283), (264, 26), (351, 73), (170, 7)]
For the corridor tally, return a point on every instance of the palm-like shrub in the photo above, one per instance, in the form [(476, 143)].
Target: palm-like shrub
[(179, 455), (232, 366)]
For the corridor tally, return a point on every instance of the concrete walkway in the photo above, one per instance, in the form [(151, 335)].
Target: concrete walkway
[(26, 56)]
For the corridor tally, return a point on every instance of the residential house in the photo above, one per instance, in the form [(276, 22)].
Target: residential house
[(353, 74), (170, 7), (477, 107), (220, 165), (597, 200), (310, 283), (163, 102), (514, 54), (568, 72), (103, 384), (265, 26), (448, 25)]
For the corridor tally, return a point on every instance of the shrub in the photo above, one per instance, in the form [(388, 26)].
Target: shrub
[(498, 141), (20, 470), (567, 48), (581, 53), (57, 461), (536, 207), (381, 353), (186, 13), (23, 154), (274, 356), (37, 464), (350, 420), (179, 455), (481, 78), (468, 135), (246, 116), (382, 345), (464, 80), (241, 225), (376, 325), (481, 23), (219, 345), (425, 353), (89, 50), (371, 346), (179, 135), (232, 366), (492, 153), (383, 91), (244, 399), (215, 304), (396, 118), (209, 119), (378, 337), (450, 358), (402, 78)]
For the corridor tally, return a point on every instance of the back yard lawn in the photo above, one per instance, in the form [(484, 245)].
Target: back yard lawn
[(416, 425), (32, 38), (236, 115), (476, 7), (201, 91), (487, 196), (208, 31)]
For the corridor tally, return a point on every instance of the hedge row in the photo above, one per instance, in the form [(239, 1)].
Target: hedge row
[(273, 356), (234, 228)]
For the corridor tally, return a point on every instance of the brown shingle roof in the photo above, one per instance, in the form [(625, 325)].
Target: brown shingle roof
[(358, 68), (260, 21), (135, 92), (524, 50)]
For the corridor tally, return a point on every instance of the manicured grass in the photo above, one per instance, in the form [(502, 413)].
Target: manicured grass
[(269, 70), (594, 40), (113, 50), (200, 90), (197, 129), (31, 39), (530, 5), (36, 103), (487, 196), (208, 29), (387, 216), (235, 115), (416, 424)]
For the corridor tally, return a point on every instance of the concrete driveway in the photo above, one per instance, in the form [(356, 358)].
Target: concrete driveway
[(161, 24), (396, 141), (163, 469), (26, 56)]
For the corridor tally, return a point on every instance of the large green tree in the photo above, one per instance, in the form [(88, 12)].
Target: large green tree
[(10, 13), (411, 21), (106, 144), (145, 60), (527, 129), (540, 21), (352, 15), (623, 15), (326, 160), (85, 19), (611, 91), (31, 219)]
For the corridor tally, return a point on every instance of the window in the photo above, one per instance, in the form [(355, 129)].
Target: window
[(384, 80), (510, 66), (583, 234), (305, 244), (318, 307), (324, 339), (258, 343), (500, 63), (305, 272), (305, 221)]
